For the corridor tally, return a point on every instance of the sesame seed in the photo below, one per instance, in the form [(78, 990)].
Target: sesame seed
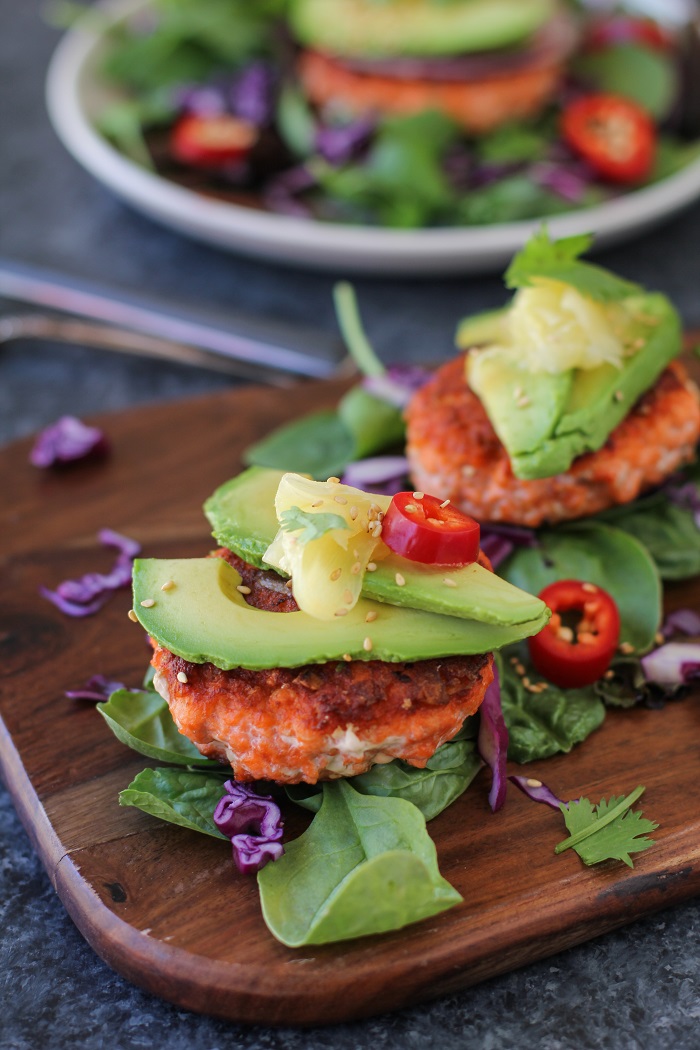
[(168, 585), (590, 587), (377, 530), (242, 589), (353, 513), (444, 504), (435, 521), (182, 677), (356, 569), (367, 645), (340, 612), (526, 682), (410, 508), (400, 581), (371, 566), (132, 616), (610, 674), (289, 584), (659, 638), (513, 661), (519, 668), (340, 499), (523, 401), (333, 481), (148, 603), (518, 392), (449, 582), (335, 575), (418, 495), (619, 396), (586, 638), (626, 648), (639, 343), (347, 657), (347, 597), (532, 783), (566, 634), (371, 616), (317, 503), (407, 704), (468, 470)]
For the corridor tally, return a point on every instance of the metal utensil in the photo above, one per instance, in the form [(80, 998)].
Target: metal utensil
[(130, 323)]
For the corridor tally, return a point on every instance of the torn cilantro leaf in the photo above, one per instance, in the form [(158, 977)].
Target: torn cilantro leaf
[(312, 526), (608, 831), (559, 261)]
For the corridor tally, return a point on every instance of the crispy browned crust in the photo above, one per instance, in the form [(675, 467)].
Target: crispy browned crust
[(454, 452), (292, 724)]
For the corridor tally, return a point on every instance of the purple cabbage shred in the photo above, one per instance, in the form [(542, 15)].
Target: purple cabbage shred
[(252, 95), (254, 825), (673, 664), (681, 621), (67, 440), (687, 496), (499, 541), (87, 595), (97, 688), (492, 742), (383, 475), (340, 143), (537, 791), (397, 385)]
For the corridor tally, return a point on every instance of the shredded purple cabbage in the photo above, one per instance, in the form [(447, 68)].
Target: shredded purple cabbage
[(681, 621), (397, 385), (537, 791), (87, 595), (568, 182), (384, 475), (496, 548), (201, 100), (67, 440), (254, 825), (97, 688), (492, 742), (340, 143), (252, 95), (499, 541), (687, 496), (283, 191), (673, 664)]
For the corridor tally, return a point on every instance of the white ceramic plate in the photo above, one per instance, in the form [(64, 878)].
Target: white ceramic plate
[(76, 93)]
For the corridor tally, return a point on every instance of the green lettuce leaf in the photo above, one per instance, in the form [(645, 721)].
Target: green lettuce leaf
[(365, 865), (184, 797)]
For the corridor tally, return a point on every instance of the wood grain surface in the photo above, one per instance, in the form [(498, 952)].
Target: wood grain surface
[(165, 906)]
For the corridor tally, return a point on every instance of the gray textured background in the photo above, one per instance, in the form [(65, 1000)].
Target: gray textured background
[(638, 988)]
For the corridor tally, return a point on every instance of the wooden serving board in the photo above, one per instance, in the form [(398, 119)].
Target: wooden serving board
[(165, 906)]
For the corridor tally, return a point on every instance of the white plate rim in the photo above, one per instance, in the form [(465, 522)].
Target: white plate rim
[(304, 242)]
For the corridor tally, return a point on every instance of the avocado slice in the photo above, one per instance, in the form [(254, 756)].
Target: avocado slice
[(569, 422), (242, 515), (203, 618), (416, 27)]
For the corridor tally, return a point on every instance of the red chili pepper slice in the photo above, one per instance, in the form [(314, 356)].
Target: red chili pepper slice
[(212, 142), (576, 649), (429, 530), (615, 135)]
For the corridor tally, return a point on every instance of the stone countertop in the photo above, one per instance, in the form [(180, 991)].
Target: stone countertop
[(636, 988)]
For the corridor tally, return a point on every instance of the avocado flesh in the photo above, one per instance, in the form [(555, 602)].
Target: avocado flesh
[(204, 619), (598, 399), (242, 515), (367, 29)]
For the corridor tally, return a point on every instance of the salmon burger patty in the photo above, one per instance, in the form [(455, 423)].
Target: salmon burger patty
[(320, 721), (454, 452)]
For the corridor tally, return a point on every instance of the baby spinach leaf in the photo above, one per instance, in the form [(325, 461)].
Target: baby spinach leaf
[(318, 444), (602, 554), (546, 723), (143, 722), (667, 531), (646, 76), (365, 865), (178, 796)]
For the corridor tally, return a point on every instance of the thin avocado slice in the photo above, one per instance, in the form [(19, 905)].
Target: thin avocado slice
[(242, 515), (416, 27), (561, 416), (203, 618), (481, 329)]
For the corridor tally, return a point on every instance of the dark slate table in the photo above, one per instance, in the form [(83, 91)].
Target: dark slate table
[(637, 988)]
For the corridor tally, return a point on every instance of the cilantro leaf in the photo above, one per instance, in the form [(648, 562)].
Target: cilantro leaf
[(559, 260), (312, 525), (608, 831)]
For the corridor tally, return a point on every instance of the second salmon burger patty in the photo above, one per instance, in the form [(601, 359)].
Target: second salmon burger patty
[(454, 452)]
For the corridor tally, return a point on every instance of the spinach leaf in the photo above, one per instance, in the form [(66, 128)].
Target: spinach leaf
[(446, 776), (646, 76), (142, 721), (546, 723), (365, 865), (667, 531), (318, 444), (602, 554), (178, 796)]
